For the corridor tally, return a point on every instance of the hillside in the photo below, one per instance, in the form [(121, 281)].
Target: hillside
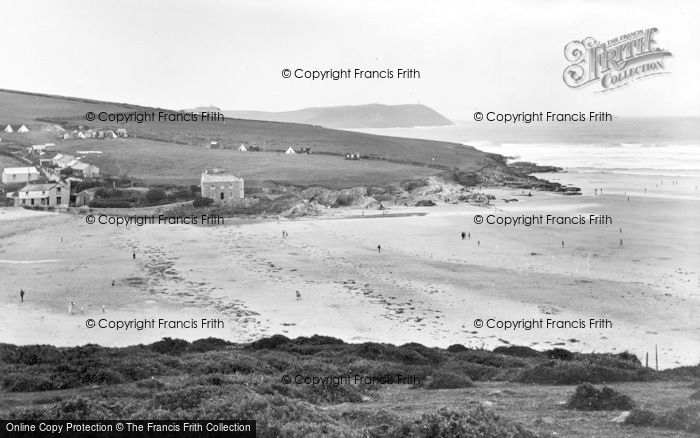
[(359, 116), (176, 151)]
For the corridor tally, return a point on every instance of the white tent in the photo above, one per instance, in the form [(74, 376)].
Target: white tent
[(81, 136), (8, 129), (290, 151), (23, 129), (243, 148)]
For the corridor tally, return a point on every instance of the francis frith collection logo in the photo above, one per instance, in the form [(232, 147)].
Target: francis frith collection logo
[(614, 63)]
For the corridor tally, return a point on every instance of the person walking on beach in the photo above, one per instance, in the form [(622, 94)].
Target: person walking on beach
[(133, 255), (21, 295), (379, 249), (595, 192), (464, 235), (70, 308), (620, 242), (113, 281), (298, 296), (562, 244), (478, 243)]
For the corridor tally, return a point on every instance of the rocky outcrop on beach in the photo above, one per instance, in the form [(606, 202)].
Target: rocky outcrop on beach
[(516, 176), (449, 187)]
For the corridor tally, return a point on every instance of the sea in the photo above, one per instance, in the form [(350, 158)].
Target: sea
[(631, 156)]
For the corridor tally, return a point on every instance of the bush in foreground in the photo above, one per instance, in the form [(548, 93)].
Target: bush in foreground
[(686, 419), (448, 423), (589, 398), (517, 351), (578, 372)]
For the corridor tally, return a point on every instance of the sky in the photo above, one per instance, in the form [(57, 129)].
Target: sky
[(499, 55)]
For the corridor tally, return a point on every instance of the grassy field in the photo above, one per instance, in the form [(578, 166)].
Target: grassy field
[(159, 162), (7, 161), (18, 108)]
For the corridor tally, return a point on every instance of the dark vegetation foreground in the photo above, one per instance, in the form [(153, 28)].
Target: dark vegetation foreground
[(340, 389)]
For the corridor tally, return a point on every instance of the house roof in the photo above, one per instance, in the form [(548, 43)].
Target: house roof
[(38, 187), (64, 158), (43, 186), (208, 176), (19, 170), (80, 165)]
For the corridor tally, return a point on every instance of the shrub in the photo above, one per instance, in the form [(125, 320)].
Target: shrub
[(685, 419), (456, 348), (21, 382), (629, 357), (201, 202), (270, 343), (223, 362), (447, 380), (559, 354), (102, 376), (170, 346), (640, 417), (622, 360), (575, 373), (317, 340), (589, 398), (517, 351), (448, 423), (155, 196), (474, 371), (488, 358), (208, 344), (29, 354)]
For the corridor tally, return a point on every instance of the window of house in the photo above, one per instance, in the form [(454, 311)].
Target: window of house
[(211, 187), (58, 199), (32, 201), (58, 190), (223, 186)]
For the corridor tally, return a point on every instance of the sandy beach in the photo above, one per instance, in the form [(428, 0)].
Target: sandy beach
[(427, 285)]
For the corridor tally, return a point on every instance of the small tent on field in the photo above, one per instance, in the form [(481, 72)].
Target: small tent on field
[(290, 151), (23, 129), (242, 148), (8, 129)]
